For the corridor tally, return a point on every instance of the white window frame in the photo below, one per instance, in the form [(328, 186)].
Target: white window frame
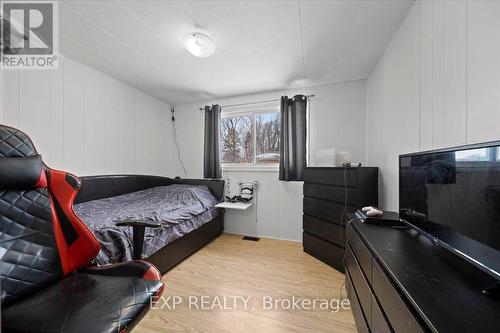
[(250, 166)]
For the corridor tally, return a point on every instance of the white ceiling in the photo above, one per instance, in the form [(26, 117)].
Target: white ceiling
[(261, 45)]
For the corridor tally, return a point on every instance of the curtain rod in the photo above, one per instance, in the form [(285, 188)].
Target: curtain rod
[(251, 103)]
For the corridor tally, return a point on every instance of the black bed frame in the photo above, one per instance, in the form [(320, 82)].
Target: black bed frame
[(99, 187)]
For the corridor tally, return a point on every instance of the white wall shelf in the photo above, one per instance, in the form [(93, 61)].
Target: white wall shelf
[(235, 205)]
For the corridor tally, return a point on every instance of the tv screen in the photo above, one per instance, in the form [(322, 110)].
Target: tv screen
[(453, 196)]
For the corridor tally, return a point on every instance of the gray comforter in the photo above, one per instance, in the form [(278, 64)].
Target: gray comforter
[(179, 208)]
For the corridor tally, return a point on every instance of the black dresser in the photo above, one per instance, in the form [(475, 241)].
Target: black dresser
[(327, 192), (399, 281)]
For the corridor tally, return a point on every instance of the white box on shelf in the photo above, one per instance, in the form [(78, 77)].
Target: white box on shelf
[(322, 157)]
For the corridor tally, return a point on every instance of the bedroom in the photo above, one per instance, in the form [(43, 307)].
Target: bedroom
[(291, 117)]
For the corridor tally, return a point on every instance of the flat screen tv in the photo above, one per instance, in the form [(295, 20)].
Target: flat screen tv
[(452, 196)]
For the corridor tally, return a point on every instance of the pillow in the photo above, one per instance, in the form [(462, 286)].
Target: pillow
[(21, 173)]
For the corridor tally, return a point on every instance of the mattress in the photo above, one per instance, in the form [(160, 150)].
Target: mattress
[(180, 209)]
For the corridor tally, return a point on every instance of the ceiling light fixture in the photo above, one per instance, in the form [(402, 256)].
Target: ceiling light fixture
[(199, 45)]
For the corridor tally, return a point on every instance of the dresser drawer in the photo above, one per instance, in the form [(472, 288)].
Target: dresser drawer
[(330, 176), (378, 324), (361, 252), (360, 284), (326, 210), (359, 318), (327, 252), (330, 193), (397, 312), (329, 231)]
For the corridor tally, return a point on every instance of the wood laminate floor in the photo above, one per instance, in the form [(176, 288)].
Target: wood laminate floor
[(232, 267)]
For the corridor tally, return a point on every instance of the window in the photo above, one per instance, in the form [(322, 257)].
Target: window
[(473, 155), (250, 138), (236, 137), (478, 156)]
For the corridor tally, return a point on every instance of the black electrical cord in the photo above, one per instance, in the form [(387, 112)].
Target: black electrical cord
[(176, 143), (345, 206), (341, 226)]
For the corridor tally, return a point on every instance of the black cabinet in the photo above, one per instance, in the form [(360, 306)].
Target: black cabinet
[(398, 281), (329, 194)]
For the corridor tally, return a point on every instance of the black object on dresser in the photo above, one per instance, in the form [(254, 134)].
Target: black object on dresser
[(327, 192), (399, 281)]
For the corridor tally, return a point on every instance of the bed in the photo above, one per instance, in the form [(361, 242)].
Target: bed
[(185, 209)]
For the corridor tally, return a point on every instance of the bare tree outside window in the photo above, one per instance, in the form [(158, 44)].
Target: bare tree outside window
[(239, 141), (236, 136), (268, 137)]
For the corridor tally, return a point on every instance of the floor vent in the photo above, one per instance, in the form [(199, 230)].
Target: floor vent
[(249, 238)]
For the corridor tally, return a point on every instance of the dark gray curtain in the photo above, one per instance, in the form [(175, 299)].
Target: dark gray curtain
[(293, 138), (211, 164)]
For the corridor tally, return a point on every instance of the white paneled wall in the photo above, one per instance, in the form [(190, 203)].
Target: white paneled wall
[(86, 122), (278, 212), (483, 60), (337, 120), (437, 85), (393, 106)]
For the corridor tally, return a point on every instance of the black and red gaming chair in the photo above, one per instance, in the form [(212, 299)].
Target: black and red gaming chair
[(46, 281)]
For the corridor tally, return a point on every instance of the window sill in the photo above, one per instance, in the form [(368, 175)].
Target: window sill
[(250, 168)]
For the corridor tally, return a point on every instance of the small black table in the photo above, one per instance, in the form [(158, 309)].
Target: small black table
[(138, 233)]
